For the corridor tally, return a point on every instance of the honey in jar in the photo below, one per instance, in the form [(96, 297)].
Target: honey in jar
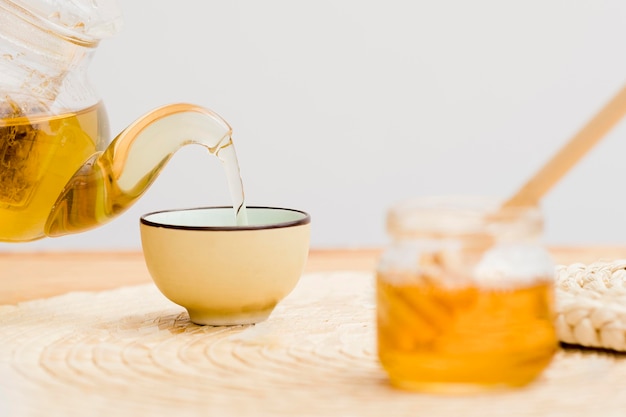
[(464, 297)]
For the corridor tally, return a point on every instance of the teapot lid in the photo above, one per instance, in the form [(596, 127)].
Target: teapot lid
[(87, 21)]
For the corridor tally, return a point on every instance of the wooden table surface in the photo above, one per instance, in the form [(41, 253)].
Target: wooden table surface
[(27, 276)]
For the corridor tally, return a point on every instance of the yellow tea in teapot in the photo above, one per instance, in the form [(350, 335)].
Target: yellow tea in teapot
[(59, 174), (38, 155)]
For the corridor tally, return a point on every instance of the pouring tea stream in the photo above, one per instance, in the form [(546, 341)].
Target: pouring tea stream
[(58, 173)]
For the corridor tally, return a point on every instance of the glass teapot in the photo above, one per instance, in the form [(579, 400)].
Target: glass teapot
[(58, 172)]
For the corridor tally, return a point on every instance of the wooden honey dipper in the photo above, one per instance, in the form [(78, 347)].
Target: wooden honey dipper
[(540, 183), (543, 180)]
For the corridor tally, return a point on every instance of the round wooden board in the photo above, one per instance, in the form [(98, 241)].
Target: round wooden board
[(132, 352)]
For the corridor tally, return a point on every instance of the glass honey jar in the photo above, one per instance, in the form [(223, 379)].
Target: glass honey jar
[(464, 296)]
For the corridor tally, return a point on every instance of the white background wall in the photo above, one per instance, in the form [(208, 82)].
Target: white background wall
[(343, 107)]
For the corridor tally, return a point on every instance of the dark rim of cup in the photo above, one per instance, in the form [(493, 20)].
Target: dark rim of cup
[(306, 219)]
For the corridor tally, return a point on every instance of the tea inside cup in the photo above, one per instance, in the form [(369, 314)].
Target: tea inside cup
[(220, 272)]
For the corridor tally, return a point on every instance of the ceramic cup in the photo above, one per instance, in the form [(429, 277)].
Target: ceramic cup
[(225, 274)]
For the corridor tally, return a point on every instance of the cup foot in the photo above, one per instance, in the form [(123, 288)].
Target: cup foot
[(212, 318)]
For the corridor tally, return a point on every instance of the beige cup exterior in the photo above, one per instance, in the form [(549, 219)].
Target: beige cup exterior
[(226, 277)]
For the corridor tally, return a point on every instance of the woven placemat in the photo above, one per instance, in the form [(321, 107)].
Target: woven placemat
[(131, 352), (591, 304)]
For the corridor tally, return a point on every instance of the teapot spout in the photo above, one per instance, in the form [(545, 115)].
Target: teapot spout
[(111, 181)]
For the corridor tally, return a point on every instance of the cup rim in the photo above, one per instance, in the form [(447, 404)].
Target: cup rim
[(306, 219)]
